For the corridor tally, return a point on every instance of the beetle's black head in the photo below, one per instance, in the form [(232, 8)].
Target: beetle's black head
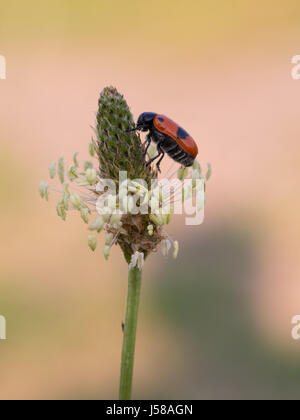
[(144, 121)]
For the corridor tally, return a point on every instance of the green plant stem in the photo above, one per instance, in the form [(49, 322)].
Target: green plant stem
[(133, 297)]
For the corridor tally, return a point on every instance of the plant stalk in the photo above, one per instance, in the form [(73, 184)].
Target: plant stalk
[(129, 334)]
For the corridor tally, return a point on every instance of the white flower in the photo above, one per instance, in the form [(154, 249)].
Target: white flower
[(111, 202), (115, 218), (130, 204), (92, 149), (106, 214), (66, 195), (76, 201), (137, 260), (196, 174), (176, 249), (84, 212), (132, 189), (165, 247), (150, 229), (139, 189), (61, 210), (98, 224), (72, 174), (61, 169), (145, 200), (76, 164), (140, 261), (106, 251), (196, 165), (83, 183), (154, 204), (209, 171), (165, 214), (109, 238), (158, 219), (91, 176), (182, 173), (52, 170), (92, 242), (44, 189), (87, 165)]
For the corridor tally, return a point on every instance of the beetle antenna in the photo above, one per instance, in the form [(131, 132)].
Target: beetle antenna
[(132, 129)]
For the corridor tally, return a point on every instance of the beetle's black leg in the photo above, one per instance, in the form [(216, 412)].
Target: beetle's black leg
[(161, 158), (155, 157), (148, 142)]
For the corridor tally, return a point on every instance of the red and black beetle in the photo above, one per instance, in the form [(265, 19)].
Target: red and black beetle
[(169, 137)]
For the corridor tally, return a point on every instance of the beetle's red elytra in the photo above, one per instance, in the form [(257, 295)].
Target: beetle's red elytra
[(169, 137), (166, 126)]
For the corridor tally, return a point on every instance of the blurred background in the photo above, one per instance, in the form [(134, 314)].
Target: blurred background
[(215, 323)]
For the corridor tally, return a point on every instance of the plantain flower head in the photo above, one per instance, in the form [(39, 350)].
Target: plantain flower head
[(119, 194)]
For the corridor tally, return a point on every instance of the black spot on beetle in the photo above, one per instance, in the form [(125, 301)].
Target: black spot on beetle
[(181, 133), (161, 119)]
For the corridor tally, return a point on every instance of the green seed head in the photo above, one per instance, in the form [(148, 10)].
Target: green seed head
[(116, 149)]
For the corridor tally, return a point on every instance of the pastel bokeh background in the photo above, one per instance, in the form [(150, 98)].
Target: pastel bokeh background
[(216, 323)]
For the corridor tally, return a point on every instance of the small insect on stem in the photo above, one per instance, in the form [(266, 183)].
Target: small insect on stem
[(169, 137), (123, 326)]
